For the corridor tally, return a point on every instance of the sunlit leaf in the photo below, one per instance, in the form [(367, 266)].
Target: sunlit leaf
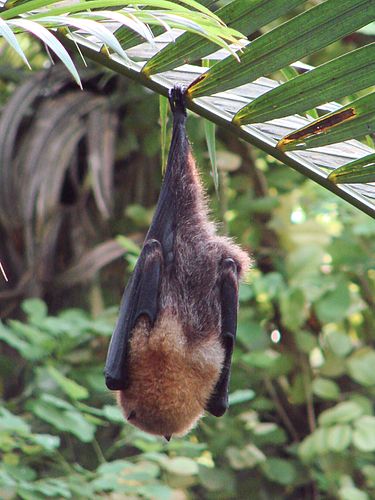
[(302, 35), (69, 386), (9, 36), (241, 15), (354, 120), (364, 433), (362, 170), (341, 413), (51, 41), (339, 437), (163, 112), (335, 79)]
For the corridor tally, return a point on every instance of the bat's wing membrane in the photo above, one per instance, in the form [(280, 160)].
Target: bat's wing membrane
[(218, 403), (140, 298), (142, 293)]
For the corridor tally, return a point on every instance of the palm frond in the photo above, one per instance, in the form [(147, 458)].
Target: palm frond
[(237, 95)]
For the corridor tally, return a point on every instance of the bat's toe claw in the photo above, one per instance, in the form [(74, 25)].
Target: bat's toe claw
[(152, 245), (230, 265)]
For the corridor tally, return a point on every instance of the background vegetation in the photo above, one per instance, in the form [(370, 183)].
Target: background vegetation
[(301, 423)]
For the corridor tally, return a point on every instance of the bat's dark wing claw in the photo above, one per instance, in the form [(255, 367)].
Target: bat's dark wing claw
[(218, 403), (140, 298)]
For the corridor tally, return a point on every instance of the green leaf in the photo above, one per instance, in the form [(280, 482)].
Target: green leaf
[(181, 466), (90, 27), (156, 491), (364, 433), (333, 306), (339, 343), (44, 487), (9, 36), (325, 388), (241, 396), (293, 308), (116, 467), (361, 367), (341, 413), (268, 433), (306, 450), (98, 4), (70, 421), (128, 244), (12, 423), (362, 170), (51, 41), (163, 111), (197, 18), (305, 341), (335, 79), (242, 15), (47, 441), (25, 7), (261, 359), (279, 471), (247, 457), (69, 386), (302, 35), (24, 348), (357, 119), (113, 414), (210, 133), (217, 480), (339, 437), (352, 493), (320, 440), (36, 309), (129, 39), (57, 402)]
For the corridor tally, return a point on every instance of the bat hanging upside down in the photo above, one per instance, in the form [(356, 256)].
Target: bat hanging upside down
[(170, 353)]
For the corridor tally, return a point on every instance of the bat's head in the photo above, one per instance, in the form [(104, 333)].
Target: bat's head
[(170, 378)]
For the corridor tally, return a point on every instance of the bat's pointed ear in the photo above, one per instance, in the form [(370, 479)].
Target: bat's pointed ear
[(168, 438)]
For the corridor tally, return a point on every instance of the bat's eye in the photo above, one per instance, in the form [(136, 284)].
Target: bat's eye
[(131, 415)]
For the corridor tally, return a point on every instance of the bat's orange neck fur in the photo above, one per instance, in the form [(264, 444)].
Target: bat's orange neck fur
[(170, 375)]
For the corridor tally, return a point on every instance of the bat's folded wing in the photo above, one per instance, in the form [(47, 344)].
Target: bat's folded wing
[(218, 402), (140, 298)]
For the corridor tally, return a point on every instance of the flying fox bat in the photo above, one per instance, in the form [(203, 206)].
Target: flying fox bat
[(170, 353)]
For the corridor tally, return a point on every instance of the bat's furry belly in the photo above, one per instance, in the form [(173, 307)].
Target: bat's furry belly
[(171, 377)]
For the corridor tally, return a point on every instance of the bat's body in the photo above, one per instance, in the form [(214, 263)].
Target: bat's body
[(171, 350)]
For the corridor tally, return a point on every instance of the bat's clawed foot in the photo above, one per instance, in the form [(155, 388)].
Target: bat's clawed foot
[(176, 97), (131, 416), (230, 265), (168, 438), (152, 246)]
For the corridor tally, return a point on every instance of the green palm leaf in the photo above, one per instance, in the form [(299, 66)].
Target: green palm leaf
[(302, 35), (335, 79), (354, 120), (242, 15), (234, 94)]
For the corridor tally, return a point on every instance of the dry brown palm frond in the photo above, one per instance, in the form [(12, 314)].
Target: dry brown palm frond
[(57, 148)]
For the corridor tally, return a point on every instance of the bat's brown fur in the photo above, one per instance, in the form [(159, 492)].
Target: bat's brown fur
[(175, 365), (171, 379)]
